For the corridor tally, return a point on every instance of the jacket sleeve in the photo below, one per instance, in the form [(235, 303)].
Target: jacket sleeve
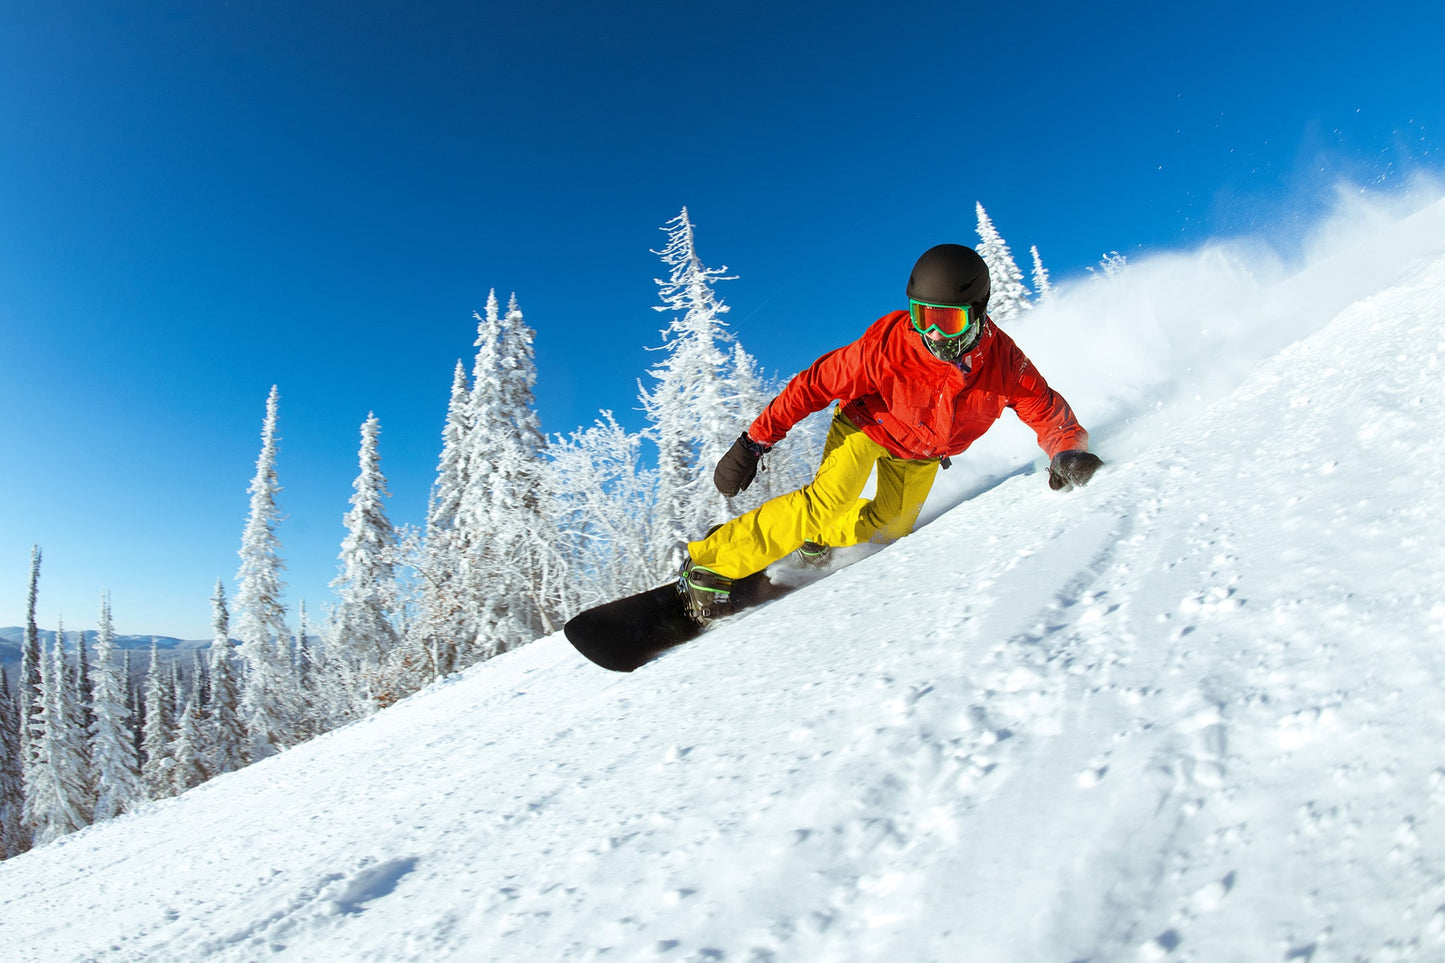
[(843, 374), (1043, 409)]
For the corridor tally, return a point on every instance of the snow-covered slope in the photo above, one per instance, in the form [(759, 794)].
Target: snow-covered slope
[(1190, 712)]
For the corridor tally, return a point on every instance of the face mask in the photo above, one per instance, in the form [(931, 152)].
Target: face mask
[(951, 349)]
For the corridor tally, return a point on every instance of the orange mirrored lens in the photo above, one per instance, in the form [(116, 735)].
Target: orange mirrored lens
[(946, 320)]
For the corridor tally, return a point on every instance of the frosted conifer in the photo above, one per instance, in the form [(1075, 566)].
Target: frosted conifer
[(438, 633), (84, 690), (1043, 288), (477, 560), (539, 567), (188, 749), (57, 790), (269, 698), (501, 521), (432, 640), (362, 626), (227, 739), (157, 732), (308, 660), (202, 681), (135, 702), (13, 837), (451, 480), (31, 659), (1009, 297), (115, 770), (304, 656), (76, 731), (688, 406)]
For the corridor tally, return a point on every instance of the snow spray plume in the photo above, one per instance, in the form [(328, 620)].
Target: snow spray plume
[(1176, 330)]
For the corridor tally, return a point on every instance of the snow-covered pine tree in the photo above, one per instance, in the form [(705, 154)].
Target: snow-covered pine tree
[(188, 748), (180, 692), (114, 768), (84, 688), (270, 702), (35, 775), (57, 787), (135, 702), (416, 659), (201, 693), (159, 729), (1010, 298), (435, 635), (13, 837), (340, 692), (304, 656), (202, 680), (77, 732), (500, 514), (439, 632), (691, 419), (31, 659), (475, 560), (1043, 287), (362, 627), (540, 564), (308, 664), (227, 737)]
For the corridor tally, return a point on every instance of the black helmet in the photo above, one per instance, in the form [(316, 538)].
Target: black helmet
[(951, 274)]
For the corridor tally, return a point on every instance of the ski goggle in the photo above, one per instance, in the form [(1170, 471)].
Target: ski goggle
[(949, 320)]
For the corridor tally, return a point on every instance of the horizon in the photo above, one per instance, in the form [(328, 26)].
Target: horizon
[(202, 205)]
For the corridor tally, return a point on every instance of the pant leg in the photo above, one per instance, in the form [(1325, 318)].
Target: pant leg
[(751, 542), (902, 488)]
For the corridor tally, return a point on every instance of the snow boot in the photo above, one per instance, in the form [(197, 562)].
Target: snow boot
[(813, 554), (705, 594)]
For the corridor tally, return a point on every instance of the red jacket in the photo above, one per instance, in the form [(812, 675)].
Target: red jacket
[(918, 406)]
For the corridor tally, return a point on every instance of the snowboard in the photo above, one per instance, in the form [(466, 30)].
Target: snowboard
[(629, 632)]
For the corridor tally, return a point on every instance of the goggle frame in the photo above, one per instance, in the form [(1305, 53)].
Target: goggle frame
[(970, 316)]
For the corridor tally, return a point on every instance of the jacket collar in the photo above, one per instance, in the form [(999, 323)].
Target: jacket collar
[(969, 359)]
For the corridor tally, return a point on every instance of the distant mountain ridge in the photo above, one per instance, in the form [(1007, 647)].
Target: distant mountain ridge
[(16, 634), (12, 637)]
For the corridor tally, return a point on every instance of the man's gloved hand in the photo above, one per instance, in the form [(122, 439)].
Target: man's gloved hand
[(1068, 469), (736, 470)]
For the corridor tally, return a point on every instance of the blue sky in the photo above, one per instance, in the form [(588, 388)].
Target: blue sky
[(198, 201)]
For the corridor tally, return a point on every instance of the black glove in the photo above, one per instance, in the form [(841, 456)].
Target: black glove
[(736, 470), (1071, 468)]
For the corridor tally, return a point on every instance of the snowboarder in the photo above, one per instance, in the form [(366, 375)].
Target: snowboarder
[(919, 386)]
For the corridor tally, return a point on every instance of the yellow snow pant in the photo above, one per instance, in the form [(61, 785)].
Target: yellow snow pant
[(829, 510)]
